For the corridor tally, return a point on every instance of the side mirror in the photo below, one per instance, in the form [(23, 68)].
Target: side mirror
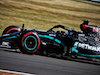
[(22, 28)]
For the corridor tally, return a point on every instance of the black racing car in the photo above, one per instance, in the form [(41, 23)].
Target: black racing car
[(26, 40), (66, 43)]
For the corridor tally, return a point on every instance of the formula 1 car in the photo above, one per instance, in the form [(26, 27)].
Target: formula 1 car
[(67, 43), (26, 40), (88, 43)]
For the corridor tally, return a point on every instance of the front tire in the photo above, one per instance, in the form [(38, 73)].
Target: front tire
[(29, 42)]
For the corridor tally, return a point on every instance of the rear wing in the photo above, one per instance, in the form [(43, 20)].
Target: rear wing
[(90, 28)]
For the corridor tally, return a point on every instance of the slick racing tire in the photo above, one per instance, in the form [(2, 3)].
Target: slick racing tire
[(11, 29), (29, 42)]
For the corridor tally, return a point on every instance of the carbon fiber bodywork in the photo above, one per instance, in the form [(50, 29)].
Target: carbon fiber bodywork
[(65, 43)]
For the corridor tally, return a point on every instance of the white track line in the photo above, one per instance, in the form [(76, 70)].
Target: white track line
[(16, 72)]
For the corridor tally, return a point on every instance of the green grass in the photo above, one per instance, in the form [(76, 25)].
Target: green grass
[(43, 14)]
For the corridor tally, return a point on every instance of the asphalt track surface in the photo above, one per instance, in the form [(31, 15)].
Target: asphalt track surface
[(42, 65)]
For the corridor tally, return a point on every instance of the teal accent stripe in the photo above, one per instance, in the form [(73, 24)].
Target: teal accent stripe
[(74, 49), (46, 36), (87, 55), (57, 41), (52, 38), (11, 37)]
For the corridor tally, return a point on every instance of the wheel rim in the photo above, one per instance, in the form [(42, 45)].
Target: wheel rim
[(30, 42)]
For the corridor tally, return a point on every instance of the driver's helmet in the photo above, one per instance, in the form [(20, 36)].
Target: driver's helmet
[(85, 27), (85, 22)]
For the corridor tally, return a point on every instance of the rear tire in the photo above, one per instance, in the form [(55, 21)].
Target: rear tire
[(29, 42), (11, 29)]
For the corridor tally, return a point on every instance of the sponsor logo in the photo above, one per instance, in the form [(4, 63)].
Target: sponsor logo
[(96, 39), (86, 46), (53, 35), (95, 29)]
